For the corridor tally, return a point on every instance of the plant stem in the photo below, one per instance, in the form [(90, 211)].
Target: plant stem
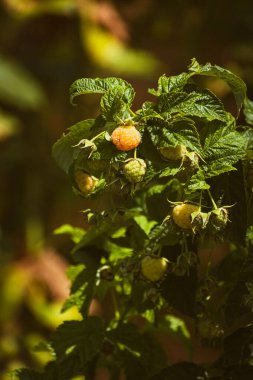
[(95, 137), (212, 200)]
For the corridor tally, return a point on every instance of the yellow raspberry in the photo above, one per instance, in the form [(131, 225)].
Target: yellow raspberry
[(154, 268), (181, 214), (85, 182), (173, 153), (126, 138)]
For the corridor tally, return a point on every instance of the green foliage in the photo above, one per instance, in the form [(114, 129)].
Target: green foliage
[(237, 85), (18, 88), (138, 221), (248, 111)]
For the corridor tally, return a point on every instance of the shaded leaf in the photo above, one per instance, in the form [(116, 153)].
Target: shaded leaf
[(85, 336), (197, 182), (178, 131), (182, 371), (248, 110), (63, 150), (83, 279), (140, 353)]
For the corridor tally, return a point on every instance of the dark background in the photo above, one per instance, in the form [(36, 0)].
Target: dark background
[(44, 46)]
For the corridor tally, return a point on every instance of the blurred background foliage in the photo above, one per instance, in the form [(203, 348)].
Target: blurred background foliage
[(44, 46)]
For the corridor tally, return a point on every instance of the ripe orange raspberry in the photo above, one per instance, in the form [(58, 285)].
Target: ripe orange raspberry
[(126, 137)]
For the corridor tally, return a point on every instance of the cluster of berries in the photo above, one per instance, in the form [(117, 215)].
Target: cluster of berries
[(126, 138), (190, 217)]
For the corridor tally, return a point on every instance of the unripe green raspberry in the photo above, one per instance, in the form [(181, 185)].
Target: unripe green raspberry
[(134, 169), (173, 153), (154, 268)]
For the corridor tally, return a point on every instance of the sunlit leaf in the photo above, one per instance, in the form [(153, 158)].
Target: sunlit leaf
[(237, 84)]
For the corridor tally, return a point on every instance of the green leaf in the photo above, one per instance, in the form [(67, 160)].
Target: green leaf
[(160, 235), (197, 182), (95, 234), (83, 277), (177, 325), (145, 224), (249, 235), (147, 112), (237, 84), (116, 251), (181, 130), (248, 110), (65, 369), (101, 86), (18, 88), (86, 337), (141, 354), (113, 105), (75, 233), (172, 83), (172, 169), (27, 374), (224, 146), (63, 150), (217, 168), (203, 104), (158, 189), (183, 371)]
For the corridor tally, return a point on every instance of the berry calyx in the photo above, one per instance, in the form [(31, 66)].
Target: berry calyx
[(218, 218), (191, 161), (154, 268), (85, 182), (199, 221), (134, 170), (173, 153), (126, 137), (181, 214)]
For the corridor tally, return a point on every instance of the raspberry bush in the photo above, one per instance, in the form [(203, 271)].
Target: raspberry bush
[(171, 248)]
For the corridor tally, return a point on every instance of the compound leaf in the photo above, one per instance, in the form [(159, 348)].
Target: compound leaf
[(85, 336), (237, 84), (63, 150), (203, 104), (100, 86)]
